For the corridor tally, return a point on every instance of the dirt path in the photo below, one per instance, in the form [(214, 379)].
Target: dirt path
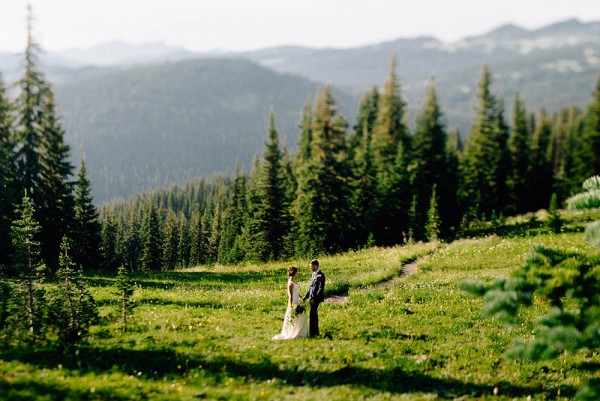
[(407, 270)]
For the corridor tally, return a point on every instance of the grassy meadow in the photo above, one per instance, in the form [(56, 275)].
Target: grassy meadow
[(205, 333)]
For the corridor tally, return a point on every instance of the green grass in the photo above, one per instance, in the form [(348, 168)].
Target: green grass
[(205, 333)]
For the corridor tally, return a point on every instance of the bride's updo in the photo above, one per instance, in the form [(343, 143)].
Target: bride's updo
[(292, 270)]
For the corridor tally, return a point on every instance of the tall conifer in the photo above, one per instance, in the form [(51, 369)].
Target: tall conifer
[(86, 230), (7, 174), (520, 154)]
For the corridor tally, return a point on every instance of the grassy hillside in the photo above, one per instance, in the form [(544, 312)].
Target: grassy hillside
[(205, 333)]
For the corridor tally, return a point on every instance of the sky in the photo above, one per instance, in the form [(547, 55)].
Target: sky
[(237, 25)]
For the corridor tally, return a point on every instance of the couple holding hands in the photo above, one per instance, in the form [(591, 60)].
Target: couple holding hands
[(295, 323)]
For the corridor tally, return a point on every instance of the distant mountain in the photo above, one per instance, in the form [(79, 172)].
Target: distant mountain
[(156, 117), (145, 127), (121, 53), (551, 67)]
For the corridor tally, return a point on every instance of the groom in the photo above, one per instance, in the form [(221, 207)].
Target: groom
[(315, 295)]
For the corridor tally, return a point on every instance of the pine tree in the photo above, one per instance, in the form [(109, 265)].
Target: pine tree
[(170, 238), (486, 162), (28, 318), (269, 221), (540, 186), (152, 249), (132, 242), (74, 309), (433, 224), (365, 121), (520, 153), (230, 250), (198, 242), (86, 230), (124, 289), (391, 144), (7, 175), (108, 244), (591, 133), (42, 156), (429, 164), (305, 135), (183, 247), (322, 208)]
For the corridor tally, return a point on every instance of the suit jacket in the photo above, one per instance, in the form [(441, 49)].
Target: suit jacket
[(316, 289)]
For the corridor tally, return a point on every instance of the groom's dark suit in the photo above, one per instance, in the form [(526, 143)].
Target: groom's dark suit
[(316, 295)]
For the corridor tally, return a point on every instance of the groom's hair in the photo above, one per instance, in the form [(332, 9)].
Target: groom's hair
[(314, 262)]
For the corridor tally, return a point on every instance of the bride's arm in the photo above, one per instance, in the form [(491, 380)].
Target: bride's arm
[(290, 292)]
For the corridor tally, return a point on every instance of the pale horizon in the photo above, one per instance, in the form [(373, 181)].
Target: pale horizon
[(241, 25)]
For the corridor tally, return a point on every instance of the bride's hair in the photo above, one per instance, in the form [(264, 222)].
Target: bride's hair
[(292, 270)]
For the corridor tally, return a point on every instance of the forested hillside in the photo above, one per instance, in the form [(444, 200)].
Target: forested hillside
[(147, 127)]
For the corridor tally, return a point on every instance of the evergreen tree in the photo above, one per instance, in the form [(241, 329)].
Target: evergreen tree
[(74, 309), (429, 164), (364, 191), (365, 121), (124, 289), (214, 233), (132, 243), (86, 230), (152, 249), (230, 250), (43, 168), (27, 319), (305, 135), (520, 154), (322, 205), (170, 238), (108, 244), (486, 161), (270, 219), (591, 133), (7, 175), (554, 221), (183, 248), (198, 243), (540, 186), (391, 144), (432, 227)]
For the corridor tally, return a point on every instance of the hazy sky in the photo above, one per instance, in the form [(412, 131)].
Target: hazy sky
[(249, 24)]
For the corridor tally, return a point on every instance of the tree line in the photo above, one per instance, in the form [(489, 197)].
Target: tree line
[(371, 183), (347, 186)]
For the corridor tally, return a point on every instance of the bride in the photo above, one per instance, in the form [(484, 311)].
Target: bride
[(295, 323)]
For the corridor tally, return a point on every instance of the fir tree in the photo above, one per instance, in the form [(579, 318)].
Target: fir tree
[(74, 309), (42, 162), (108, 244), (198, 243), (486, 161), (391, 144), (591, 133), (86, 230), (429, 163), (152, 249), (432, 227), (540, 186), (7, 175), (230, 250), (29, 316), (520, 153), (270, 219), (170, 238), (124, 289), (322, 205), (183, 248)]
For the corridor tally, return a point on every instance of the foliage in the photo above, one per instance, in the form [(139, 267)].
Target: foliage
[(72, 307), (567, 281), (124, 288)]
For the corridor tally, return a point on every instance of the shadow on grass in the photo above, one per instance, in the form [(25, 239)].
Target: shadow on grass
[(160, 363)]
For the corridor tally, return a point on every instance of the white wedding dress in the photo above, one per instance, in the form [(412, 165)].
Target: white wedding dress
[(293, 326)]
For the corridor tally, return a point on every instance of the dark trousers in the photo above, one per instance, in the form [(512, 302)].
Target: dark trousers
[(313, 327)]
